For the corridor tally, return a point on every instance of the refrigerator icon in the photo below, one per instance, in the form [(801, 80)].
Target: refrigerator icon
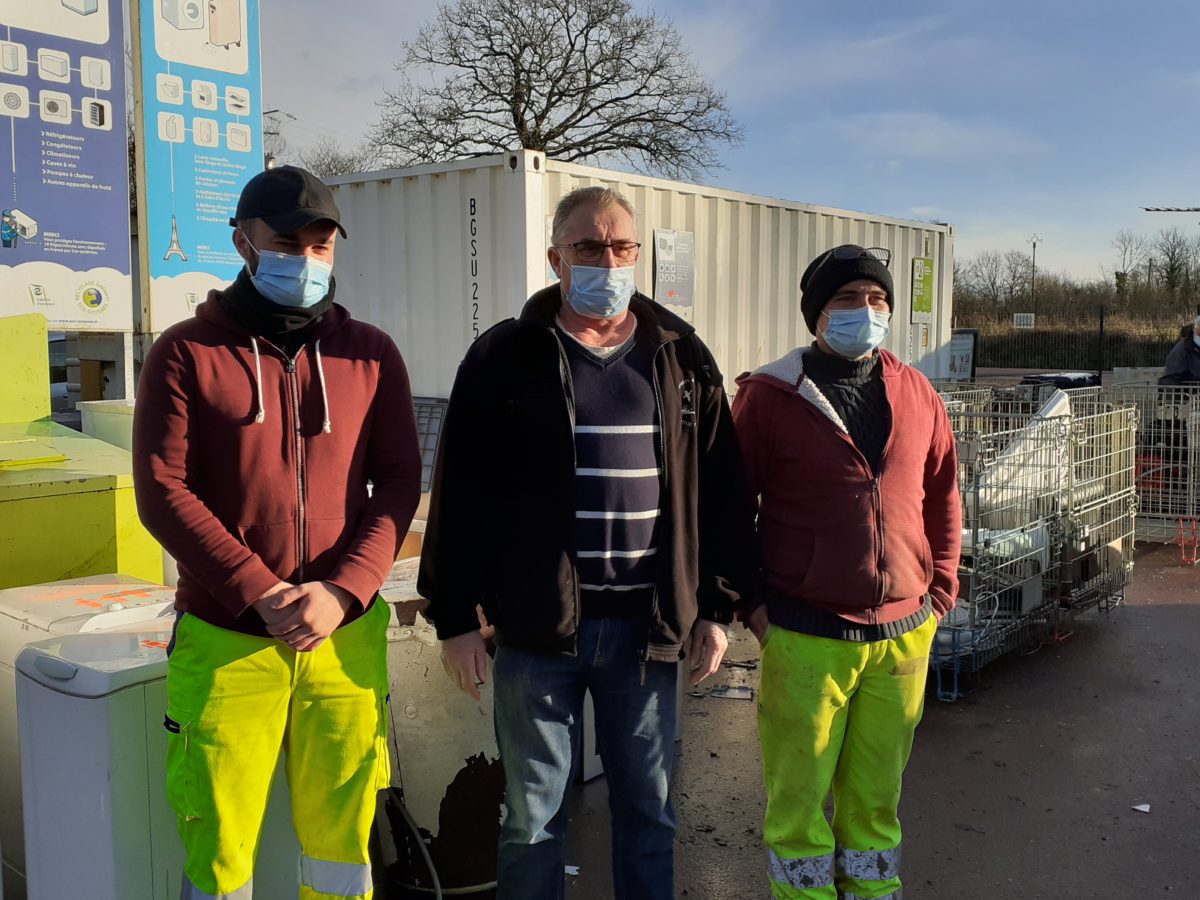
[(83, 7), (225, 22)]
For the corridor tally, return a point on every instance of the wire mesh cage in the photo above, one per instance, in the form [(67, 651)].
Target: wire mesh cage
[(1048, 480), (1166, 457), (430, 411), (1014, 479)]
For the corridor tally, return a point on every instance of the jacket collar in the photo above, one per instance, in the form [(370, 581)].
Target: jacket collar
[(787, 374), (543, 306)]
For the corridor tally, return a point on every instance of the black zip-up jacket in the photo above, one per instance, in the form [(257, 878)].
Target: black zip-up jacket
[(1183, 362), (501, 516)]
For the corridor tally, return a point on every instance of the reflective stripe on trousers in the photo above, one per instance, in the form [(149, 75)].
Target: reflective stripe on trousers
[(868, 865), (802, 872), (191, 892), (334, 878)]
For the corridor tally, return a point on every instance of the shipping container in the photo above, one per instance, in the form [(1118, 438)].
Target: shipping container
[(438, 254)]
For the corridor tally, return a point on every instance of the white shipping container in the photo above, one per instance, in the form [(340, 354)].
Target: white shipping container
[(438, 254)]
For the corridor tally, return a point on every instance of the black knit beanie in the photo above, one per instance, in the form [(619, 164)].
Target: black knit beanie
[(827, 273)]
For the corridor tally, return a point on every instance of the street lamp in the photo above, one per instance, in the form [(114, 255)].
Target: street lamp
[(1033, 274)]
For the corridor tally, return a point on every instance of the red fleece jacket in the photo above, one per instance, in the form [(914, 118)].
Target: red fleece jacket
[(238, 478), (833, 535)]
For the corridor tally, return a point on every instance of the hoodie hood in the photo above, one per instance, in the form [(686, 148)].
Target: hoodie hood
[(787, 374)]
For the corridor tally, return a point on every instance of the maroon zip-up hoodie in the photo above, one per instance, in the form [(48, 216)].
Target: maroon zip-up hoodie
[(250, 468), (835, 536)]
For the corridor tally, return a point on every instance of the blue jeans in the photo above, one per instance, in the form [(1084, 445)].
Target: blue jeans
[(539, 714)]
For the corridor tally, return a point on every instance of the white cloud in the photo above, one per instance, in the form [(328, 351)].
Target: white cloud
[(931, 135)]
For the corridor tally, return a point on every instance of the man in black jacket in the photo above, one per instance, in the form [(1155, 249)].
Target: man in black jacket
[(1183, 362), (588, 496)]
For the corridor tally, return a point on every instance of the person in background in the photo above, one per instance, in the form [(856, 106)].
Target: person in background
[(587, 494), (1183, 362), (275, 457), (852, 459)]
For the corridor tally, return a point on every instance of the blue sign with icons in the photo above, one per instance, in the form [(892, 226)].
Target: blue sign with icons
[(202, 128), (64, 191)]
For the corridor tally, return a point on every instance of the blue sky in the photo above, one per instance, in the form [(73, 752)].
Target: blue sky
[(1060, 118)]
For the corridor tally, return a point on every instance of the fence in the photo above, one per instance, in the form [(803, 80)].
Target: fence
[(1086, 341)]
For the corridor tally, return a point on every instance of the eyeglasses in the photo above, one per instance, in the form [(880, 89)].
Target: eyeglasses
[(849, 251), (593, 251)]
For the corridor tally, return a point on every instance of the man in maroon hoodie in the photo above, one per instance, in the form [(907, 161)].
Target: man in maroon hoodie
[(851, 456), (275, 457)]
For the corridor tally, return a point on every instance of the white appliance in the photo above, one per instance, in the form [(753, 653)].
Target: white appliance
[(90, 711), (83, 7), (225, 22), (37, 612), (27, 227), (186, 15)]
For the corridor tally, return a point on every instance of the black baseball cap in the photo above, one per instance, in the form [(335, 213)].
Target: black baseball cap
[(287, 198)]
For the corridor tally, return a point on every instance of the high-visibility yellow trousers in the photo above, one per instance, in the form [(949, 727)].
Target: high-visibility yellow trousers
[(837, 715), (234, 701)]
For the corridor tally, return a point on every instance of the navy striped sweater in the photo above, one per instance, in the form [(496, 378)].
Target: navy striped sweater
[(618, 478)]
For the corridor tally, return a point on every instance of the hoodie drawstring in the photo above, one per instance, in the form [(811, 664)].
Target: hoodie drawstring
[(261, 417), (325, 426), (262, 412)]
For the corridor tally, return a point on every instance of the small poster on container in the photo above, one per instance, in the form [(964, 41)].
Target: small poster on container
[(674, 270), (201, 127), (922, 290), (64, 187)]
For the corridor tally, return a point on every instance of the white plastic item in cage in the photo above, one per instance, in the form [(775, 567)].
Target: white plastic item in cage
[(1011, 479)]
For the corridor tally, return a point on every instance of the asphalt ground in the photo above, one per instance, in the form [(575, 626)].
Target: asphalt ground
[(1024, 788)]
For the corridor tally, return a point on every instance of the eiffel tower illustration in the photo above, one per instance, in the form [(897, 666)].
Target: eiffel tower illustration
[(176, 249)]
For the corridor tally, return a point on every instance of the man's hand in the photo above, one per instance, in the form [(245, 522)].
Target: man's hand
[(303, 616), (757, 622), (707, 650), (465, 660)]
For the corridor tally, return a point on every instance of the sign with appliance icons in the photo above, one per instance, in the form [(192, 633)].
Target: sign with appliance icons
[(64, 219), (202, 123)]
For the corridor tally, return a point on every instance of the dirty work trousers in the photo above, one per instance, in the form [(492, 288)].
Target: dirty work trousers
[(233, 702), (837, 715)]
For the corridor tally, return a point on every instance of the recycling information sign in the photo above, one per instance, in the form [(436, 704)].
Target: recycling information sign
[(64, 164), (202, 130)]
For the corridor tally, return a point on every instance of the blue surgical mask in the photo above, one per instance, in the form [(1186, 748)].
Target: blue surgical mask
[(289, 280), (600, 292), (854, 333)]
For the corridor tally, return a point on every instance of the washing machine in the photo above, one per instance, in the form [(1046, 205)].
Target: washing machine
[(76, 606), (186, 15), (90, 710)]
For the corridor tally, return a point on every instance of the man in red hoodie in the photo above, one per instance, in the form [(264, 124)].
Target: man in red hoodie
[(851, 456), (275, 457)]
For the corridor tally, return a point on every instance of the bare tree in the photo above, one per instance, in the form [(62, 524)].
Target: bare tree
[(1018, 269), (986, 275), (1175, 256), (576, 79), (1132, 251), (326, 158)]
